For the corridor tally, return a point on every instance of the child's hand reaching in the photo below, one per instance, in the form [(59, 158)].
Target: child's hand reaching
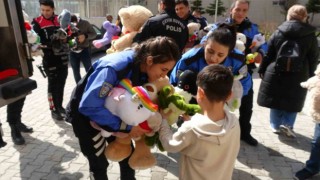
[(165, 115)]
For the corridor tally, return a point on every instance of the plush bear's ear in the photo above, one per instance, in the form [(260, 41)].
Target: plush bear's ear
[(150, 88), (125, 16)]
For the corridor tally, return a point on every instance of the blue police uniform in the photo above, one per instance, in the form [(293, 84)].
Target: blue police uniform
[(250, 29), (100, 82), (106, 74), (194, 60)]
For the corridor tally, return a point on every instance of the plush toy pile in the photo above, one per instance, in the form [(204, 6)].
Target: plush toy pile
[(172, 102), (141, 109)]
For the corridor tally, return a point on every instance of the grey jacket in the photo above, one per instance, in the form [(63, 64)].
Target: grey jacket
[(86, 28)]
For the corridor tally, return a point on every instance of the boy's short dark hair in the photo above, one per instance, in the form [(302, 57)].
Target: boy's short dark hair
[(184, 2), (169, 4), (47, 3), (216, 81)]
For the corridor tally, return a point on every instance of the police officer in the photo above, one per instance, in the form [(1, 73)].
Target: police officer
[(183, 11), (14, 111), (55, 60), (218, 49), (149, 61), (238, 16), (166, 24)]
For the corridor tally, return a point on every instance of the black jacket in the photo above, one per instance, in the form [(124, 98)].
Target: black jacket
[(282, 90), (165, 24)]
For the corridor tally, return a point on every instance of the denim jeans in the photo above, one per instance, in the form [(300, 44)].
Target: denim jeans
[(280, 117), (76, 58), (313, 164)]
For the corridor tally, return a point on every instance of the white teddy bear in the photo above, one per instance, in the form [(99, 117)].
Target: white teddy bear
[(312, 103)]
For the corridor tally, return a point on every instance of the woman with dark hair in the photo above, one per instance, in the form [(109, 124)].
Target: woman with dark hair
[(146, 62), (217, 49)]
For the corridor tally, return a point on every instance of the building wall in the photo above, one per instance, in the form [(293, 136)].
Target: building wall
[(262, 12)]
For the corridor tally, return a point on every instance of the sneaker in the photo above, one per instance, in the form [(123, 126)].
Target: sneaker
[(62, 111), (287, 131), (303, 174), (250, 140), (276, 131), (56, 115), (24, 128)]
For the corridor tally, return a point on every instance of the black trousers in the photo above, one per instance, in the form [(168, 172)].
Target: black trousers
[(92, 145), (56, 68), (14, 111), (245, 112)]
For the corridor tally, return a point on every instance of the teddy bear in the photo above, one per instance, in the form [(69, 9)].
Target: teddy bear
[(111, 30), (132, 19), (241, 42), (312, 104), (193, 30)]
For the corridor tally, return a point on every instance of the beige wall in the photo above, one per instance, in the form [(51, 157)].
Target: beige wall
[(262, 12)]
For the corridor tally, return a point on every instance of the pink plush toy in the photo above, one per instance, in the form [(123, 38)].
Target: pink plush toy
[(111, 30)]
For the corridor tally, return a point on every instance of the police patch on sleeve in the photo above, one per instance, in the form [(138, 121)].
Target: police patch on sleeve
[(243, 71), (105, 89)]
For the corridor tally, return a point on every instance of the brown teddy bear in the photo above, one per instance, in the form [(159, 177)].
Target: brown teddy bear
[(132, 19)]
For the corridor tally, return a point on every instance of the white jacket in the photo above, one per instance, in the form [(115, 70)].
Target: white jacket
[(208, 149)]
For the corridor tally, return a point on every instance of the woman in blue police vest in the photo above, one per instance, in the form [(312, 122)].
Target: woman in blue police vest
[(147, 62), (217, 49)]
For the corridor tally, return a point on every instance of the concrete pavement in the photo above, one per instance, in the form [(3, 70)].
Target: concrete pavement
[(52, 151)]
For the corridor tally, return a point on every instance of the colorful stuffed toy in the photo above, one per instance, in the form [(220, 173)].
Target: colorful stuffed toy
[(173, 101), (33, 38), (257, 41), (312, 103), (193, 29), (132, 19), (111, 30), (250, 57), (175, 104), (141, 109)]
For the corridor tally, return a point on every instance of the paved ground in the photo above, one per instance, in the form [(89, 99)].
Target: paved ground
[(52, 151)]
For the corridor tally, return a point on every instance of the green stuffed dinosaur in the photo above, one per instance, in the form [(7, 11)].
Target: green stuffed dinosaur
[(174, 105)]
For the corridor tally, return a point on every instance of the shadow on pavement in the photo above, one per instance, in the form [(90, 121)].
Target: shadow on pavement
[(267, 161), (166, 162), (43, 160)]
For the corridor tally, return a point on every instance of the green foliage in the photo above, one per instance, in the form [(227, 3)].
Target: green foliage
[(211, 9), (286, 4), (313, 6), (197, 4)]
